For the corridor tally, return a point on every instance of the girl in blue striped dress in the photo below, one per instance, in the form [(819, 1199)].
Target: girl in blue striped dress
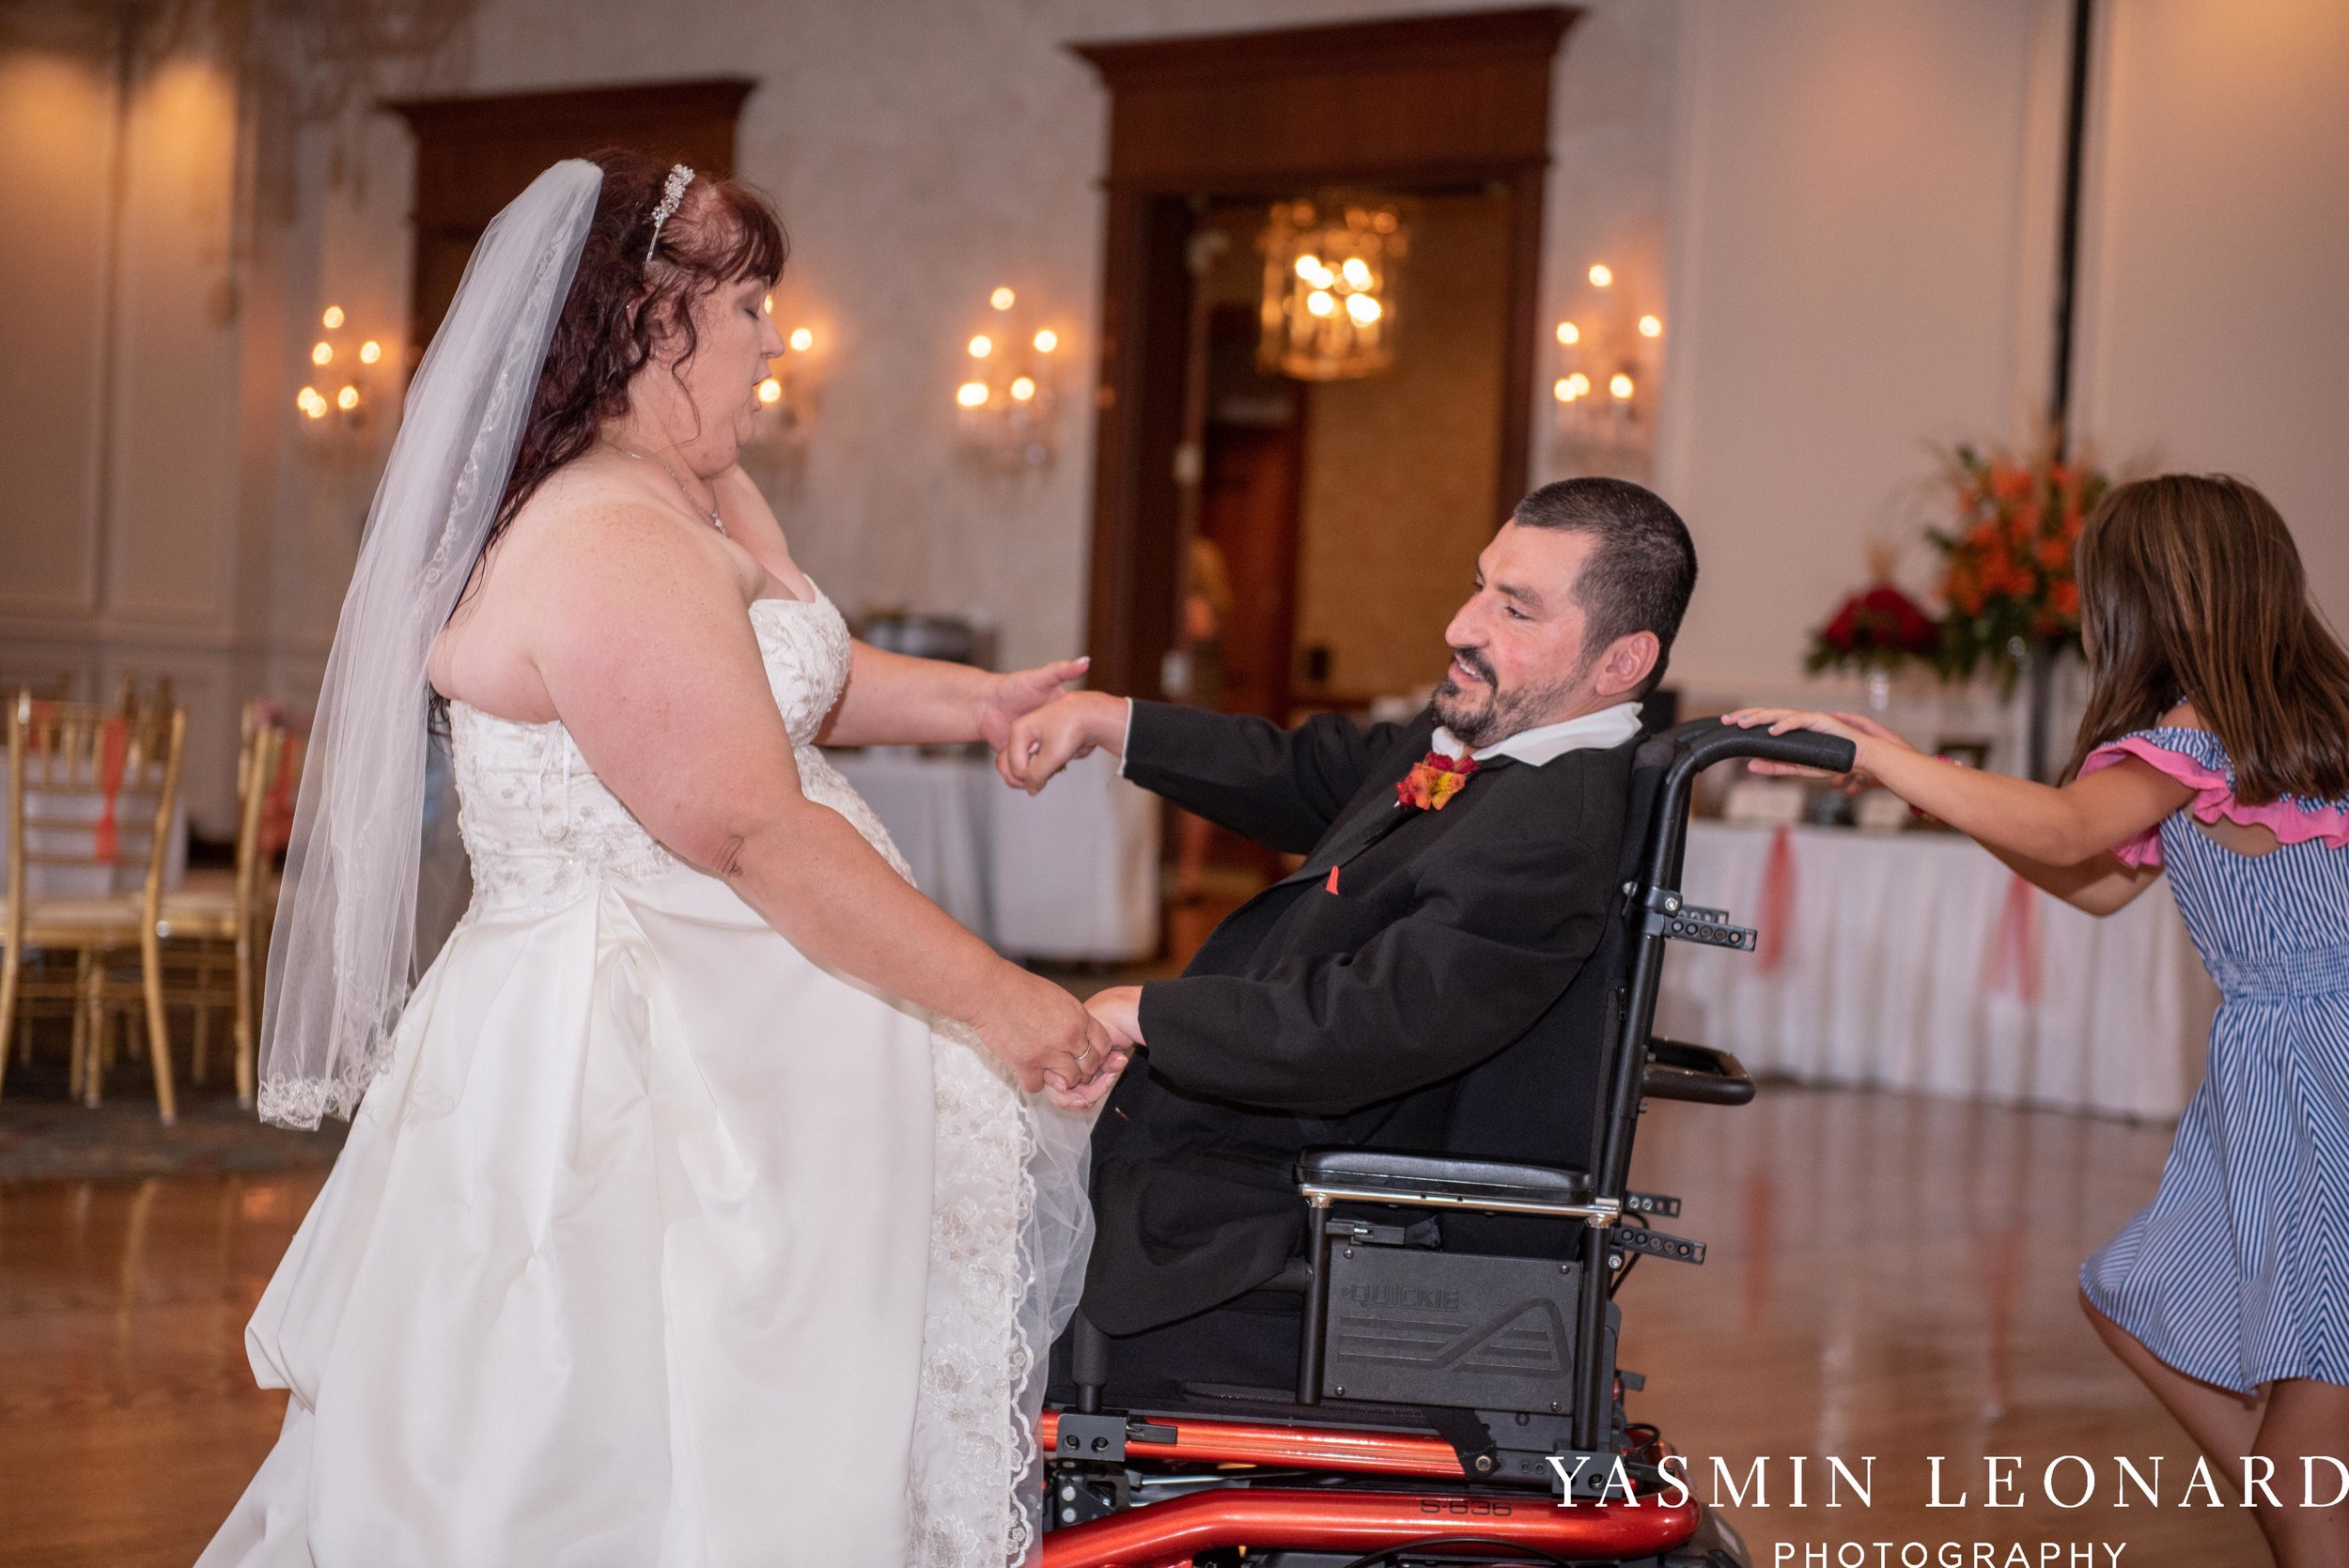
[(2216, 746)]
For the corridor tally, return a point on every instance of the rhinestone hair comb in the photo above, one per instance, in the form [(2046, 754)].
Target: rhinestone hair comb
[(672, 192)]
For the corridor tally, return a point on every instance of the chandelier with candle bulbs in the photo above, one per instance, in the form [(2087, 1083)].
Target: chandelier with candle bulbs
[(1328, 311)]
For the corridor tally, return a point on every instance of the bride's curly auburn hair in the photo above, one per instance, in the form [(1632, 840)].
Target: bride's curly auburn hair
[(623, 304)]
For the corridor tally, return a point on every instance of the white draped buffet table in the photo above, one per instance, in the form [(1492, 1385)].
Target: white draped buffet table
[(1071, 872), (1915, 961)]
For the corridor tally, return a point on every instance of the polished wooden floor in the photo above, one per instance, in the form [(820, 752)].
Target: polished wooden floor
[(1893, 1275), (1888, 1276)]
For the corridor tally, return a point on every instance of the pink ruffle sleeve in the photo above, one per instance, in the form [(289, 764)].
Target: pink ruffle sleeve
[(2195, 758)]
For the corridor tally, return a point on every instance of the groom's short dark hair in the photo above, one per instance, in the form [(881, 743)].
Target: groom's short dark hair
[(1641, 573)]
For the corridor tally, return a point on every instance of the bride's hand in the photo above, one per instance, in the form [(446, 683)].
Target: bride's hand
[(1016, 695), (1044, 1035)]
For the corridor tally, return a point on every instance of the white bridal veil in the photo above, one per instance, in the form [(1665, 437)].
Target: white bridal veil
[(341, 957)]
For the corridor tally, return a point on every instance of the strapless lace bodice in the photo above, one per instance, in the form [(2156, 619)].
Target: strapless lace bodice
[(539, 826)]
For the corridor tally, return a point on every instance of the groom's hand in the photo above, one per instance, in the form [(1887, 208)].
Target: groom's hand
[(1118, 1010), (1015, 695), (1048, 739)]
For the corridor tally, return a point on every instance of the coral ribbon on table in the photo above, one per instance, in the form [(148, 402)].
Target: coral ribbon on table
[(2013, 955), (114, 748), (277, 811), (1778, 901), (43, 713)]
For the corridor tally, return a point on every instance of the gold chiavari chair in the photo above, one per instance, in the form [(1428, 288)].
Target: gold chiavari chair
[(209, 921), (91, 796)]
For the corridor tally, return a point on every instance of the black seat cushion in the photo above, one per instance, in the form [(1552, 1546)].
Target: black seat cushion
[(1444, 1175)]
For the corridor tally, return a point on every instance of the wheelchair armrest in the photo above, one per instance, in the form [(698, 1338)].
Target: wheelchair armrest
[(1676, 1071), (1430, 1181)]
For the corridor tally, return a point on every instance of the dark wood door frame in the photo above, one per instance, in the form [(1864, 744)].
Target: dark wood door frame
[(476, 154), (1416, 102)]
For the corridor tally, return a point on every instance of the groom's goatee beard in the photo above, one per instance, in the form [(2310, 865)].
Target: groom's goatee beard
[(1466, 724), (1502, 715)]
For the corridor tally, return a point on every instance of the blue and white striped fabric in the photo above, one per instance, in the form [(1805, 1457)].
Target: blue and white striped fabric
[(2238, 1272)]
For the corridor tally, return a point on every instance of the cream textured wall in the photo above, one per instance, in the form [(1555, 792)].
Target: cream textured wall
[(2216, 291), (55, 113), (1863, 216), (1858, 244), (119, 537)]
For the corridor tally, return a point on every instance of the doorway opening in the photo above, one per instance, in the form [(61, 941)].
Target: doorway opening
[(1340, 507), (1282, 544), (1344, 516)]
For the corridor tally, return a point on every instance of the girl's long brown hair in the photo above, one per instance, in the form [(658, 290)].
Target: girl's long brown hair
[(2192, 590)]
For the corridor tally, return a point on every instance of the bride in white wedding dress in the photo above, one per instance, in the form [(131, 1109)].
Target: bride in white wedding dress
[(675, 1225)]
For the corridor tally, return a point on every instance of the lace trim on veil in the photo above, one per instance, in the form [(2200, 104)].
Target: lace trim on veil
[(1009, 1228), (303, 1102)]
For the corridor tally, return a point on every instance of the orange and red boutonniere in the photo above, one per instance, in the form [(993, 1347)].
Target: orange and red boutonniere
[(1434, 781)]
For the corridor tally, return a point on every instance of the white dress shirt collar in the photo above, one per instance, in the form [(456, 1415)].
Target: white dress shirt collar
[(1602, 731)]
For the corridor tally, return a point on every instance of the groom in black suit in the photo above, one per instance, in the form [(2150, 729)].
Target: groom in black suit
[(1459, 870)]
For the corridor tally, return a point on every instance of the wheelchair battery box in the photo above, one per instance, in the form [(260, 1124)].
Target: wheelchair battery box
[(1412, 1326)]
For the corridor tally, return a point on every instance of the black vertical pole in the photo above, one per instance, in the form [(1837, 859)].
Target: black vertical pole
[(2068, 236), (2040, 674)]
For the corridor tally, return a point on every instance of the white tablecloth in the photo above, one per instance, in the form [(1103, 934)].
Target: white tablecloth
[(135, 815), (1910, 961), (1069, 874)]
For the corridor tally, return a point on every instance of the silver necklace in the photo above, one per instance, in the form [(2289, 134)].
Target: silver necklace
[(715, 522)]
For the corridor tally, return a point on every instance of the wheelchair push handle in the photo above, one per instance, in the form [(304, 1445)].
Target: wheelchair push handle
[(1708, 741)]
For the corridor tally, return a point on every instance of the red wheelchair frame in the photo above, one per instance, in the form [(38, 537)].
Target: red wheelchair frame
[(1173, 1532), (1299, 1484)]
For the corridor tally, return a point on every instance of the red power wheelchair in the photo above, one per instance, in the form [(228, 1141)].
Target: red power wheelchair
[(1451, 1407)]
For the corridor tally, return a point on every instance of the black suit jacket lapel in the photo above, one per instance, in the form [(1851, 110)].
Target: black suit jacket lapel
[(1374, 821)]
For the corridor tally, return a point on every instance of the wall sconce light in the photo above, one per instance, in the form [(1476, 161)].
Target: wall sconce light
[(339, 395), (1003, 406), (788, 395), (1606, 369)]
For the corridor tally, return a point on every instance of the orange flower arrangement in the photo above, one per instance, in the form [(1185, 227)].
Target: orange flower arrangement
[(2007, 564)]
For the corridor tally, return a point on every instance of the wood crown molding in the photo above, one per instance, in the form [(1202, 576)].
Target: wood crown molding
[(474, 154), (560, 111), (1431, 100), (1527, 33)]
